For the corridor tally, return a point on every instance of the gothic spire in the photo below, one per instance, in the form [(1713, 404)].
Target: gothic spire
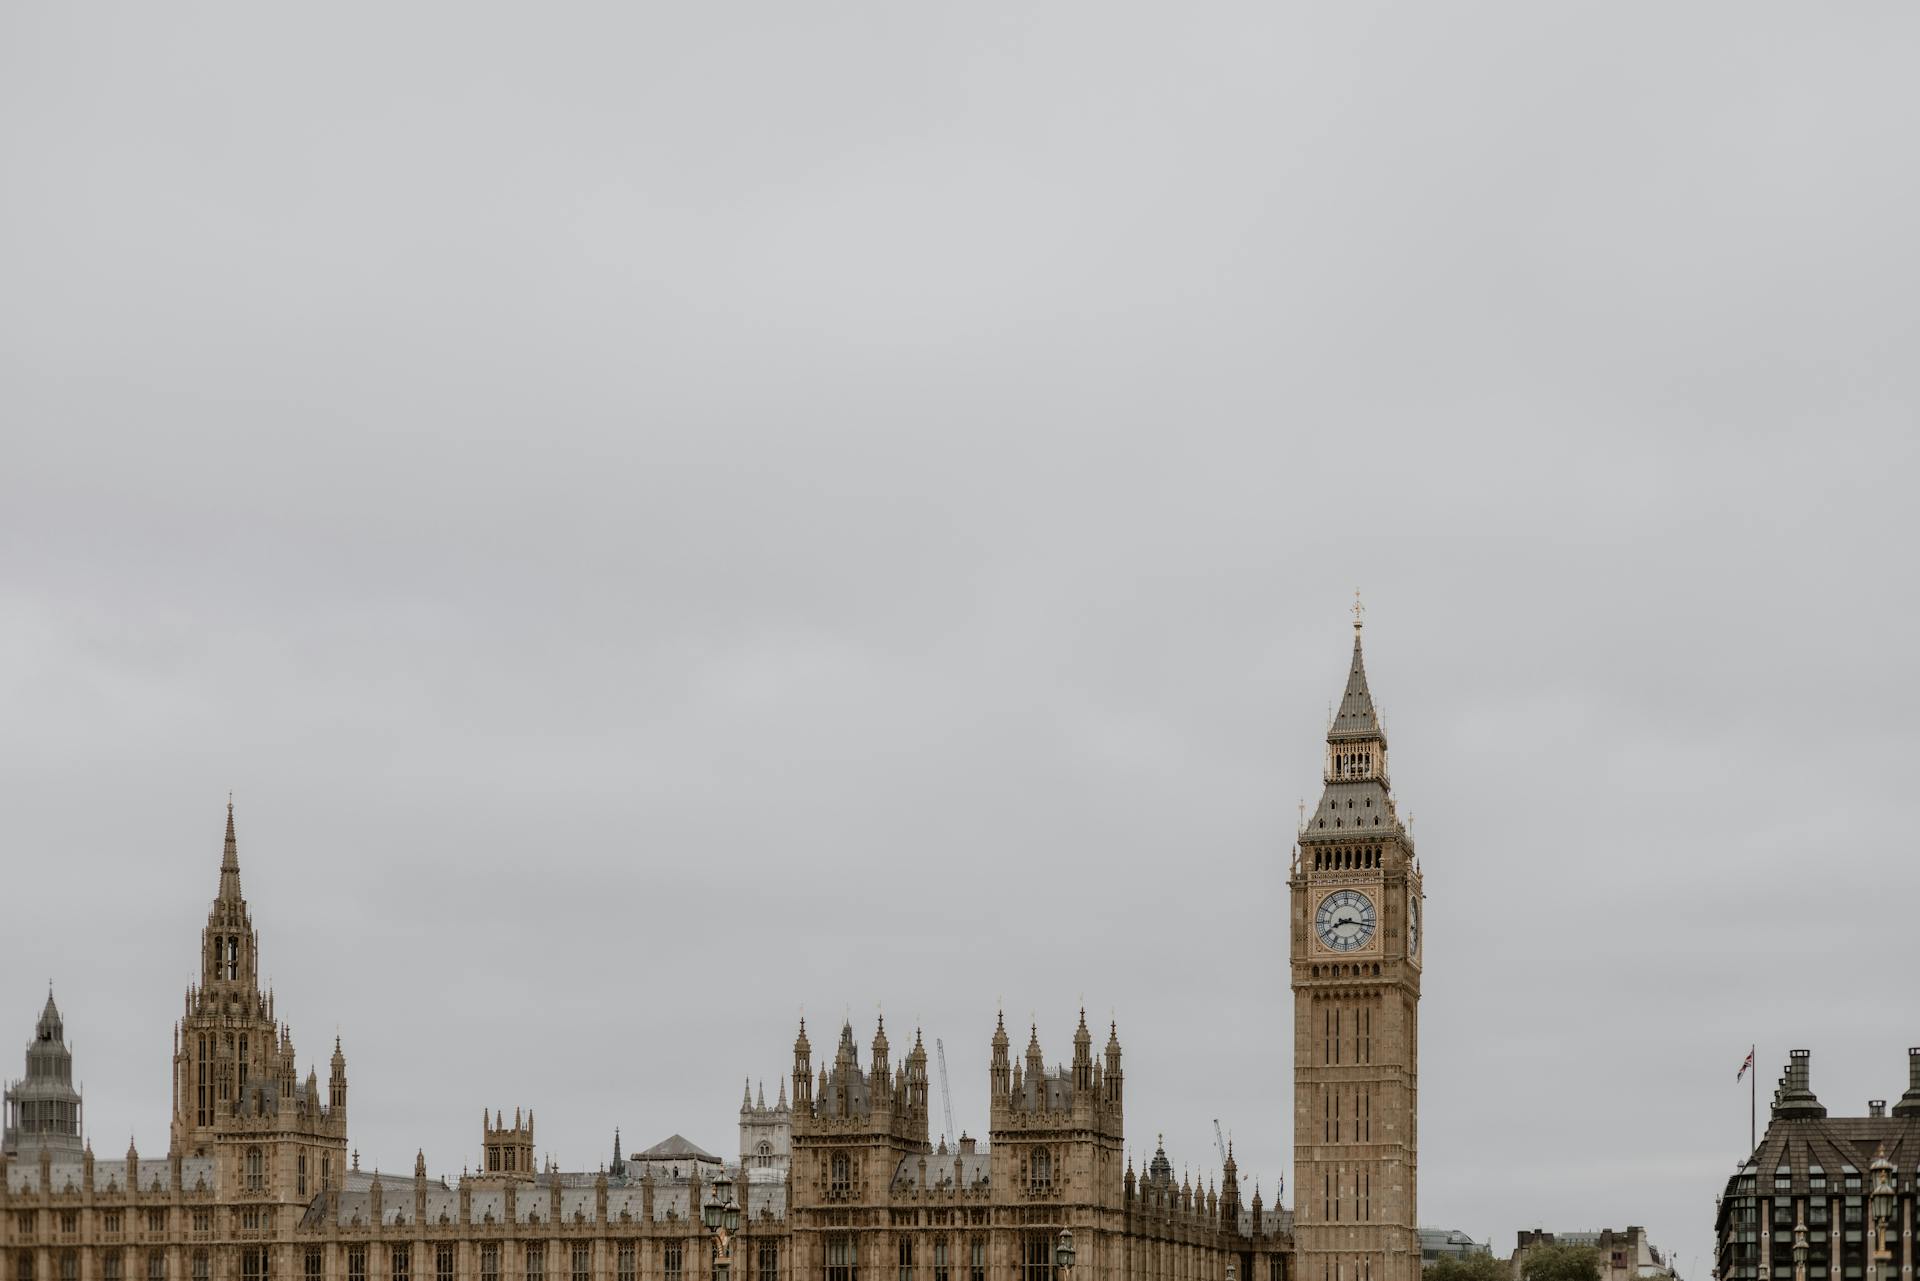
[(230, 859), (49, 1027), (1356, 719)]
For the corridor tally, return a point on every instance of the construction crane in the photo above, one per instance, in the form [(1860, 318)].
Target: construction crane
[(1220, 1144), (946, 1091)]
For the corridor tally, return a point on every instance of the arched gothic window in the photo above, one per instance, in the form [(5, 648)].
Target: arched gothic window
[(1040, 1169), (256, 1170)]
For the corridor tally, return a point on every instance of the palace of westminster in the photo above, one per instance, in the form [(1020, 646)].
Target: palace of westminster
[(836, 1181)]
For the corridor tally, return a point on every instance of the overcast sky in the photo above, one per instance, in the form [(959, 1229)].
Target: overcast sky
[(664, 517)]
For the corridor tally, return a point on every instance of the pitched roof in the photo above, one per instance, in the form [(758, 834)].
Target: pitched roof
[(1356, 719), (674, 1147)]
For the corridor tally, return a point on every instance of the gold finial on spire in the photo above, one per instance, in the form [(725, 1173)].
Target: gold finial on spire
[(1358, 609)]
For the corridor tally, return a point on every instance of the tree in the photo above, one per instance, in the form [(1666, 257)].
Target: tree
[(1560, 1263), (1471, 1267)]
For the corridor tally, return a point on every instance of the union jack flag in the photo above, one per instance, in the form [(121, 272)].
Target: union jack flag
[(1745, 1068)]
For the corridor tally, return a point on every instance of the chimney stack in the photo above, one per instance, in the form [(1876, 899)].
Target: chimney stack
[(1795, 1096), (1876, 1107), (1909, 1104)]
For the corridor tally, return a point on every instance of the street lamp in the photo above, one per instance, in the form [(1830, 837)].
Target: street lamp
[(721, 1214), (1800, 1249), (1232, 1272), (1880, 1206), (1063, 1251)]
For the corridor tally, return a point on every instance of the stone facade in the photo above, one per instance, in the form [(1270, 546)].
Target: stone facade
[(1355, 917), (1621, 1254), (766, 1134), (839, 1181)]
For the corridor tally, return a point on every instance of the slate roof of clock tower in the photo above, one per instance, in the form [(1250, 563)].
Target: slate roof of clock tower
[(1356, 720), (1356, 806)]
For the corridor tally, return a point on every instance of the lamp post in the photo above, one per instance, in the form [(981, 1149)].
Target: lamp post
[(1880, 1207), (1063, 1251), (721, 1214), (1232, 1271), (1800, 1249)]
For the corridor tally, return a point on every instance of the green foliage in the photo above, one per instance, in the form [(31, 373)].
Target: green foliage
[(1474, 1267), (1560, 1263)]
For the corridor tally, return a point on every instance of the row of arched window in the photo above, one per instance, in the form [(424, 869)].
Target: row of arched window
[(1355, 859)]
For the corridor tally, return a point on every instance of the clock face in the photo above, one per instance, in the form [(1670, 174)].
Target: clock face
[(1413, 924), (1345, 920)]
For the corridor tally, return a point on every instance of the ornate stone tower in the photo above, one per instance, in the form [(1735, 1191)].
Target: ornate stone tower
[(43, 1108), (237, 1096), (1057, 1145), (1356, 917), (766, 1133), (506, 1151), (853, 1131)]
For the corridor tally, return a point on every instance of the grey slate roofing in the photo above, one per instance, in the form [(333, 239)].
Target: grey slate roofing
[(195, 1172), (1838, 1146), (1352, 809), (942, 1170), (1272, 1222), (578, 1193), (1356, 720), (844, 1088), (674, 1147), (766, 1201), (362, 1180), (1801, 1137), (624, 1204), (488, 1206), (1041, 1092)]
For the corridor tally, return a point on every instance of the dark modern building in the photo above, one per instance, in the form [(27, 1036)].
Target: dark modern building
[(1824, 1198)]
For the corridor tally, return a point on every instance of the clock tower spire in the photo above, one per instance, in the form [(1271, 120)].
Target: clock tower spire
[(1355, 950)]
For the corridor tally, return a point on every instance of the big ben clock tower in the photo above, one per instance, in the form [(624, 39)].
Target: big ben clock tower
[(1356, 917)]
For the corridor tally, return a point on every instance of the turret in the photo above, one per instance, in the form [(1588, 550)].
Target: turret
[(917, 1076), (1230, 1189), (506, 1151), (1114, 1077), (1000, 1072), (802, 1070), (1083, 1055), (337, 1080)]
